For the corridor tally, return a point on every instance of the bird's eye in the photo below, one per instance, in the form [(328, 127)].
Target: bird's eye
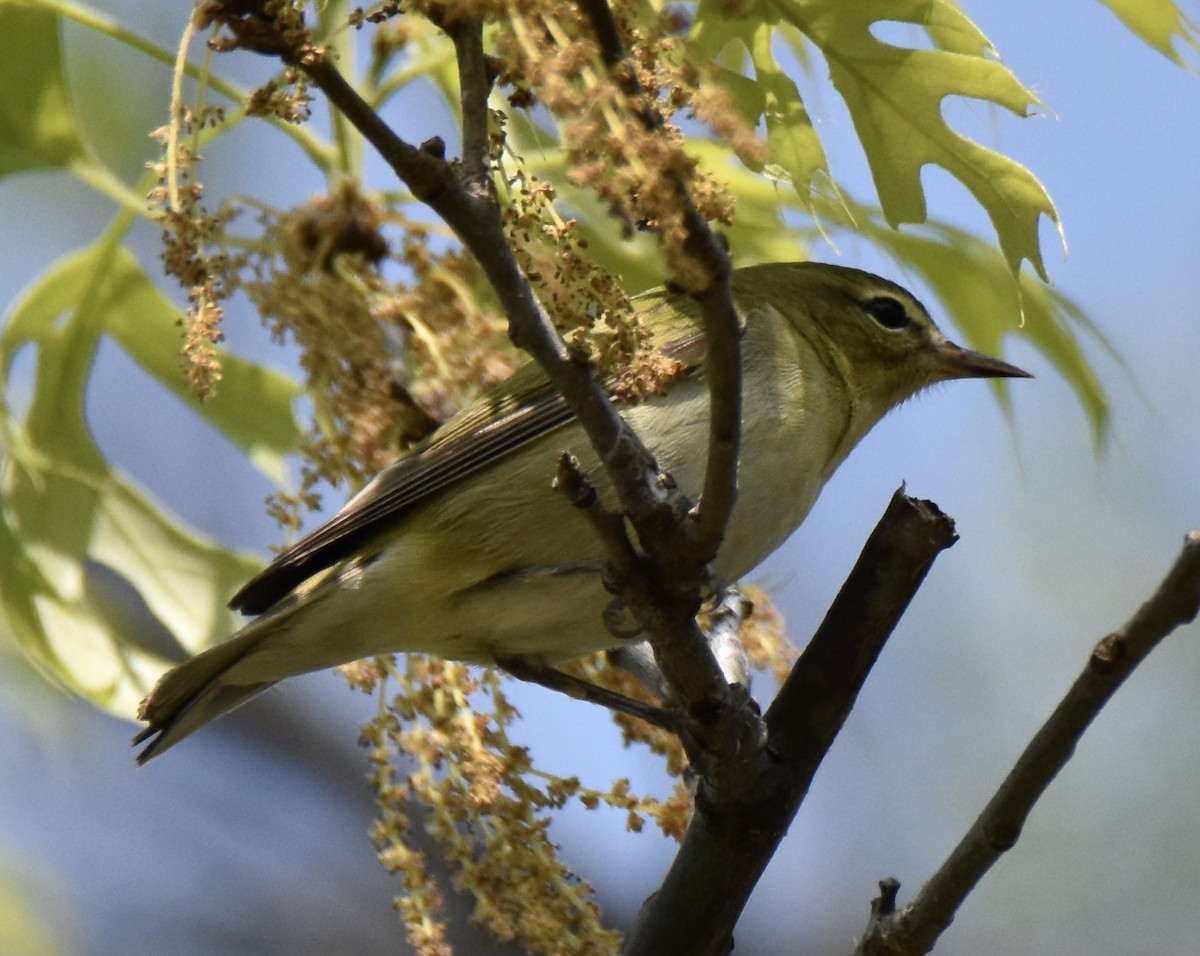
[(887, 312)]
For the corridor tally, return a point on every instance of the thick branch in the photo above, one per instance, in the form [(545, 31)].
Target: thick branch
[(737, 828), (816, 698), (916, 928)]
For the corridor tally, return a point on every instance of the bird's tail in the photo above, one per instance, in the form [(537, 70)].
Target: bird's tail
[(193, 694)]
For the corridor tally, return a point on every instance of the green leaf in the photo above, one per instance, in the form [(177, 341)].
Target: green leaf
[(105, 291), (792, 141), (747, 97), (73, 533), (759, 232), (895, 96), (37, 125), (1159, 23), (771, 97), (57, 525)]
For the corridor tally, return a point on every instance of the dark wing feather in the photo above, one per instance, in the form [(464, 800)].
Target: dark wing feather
[(422, 473)]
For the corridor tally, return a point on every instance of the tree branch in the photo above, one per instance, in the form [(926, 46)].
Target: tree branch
[(527, 669), (817, 697), (666, 592), (737, 827), (474, 219), (916, 928)]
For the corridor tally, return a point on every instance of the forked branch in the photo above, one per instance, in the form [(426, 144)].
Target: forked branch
[(741, 818)]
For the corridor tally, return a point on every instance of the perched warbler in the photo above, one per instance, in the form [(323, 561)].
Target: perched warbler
[(462, 550)]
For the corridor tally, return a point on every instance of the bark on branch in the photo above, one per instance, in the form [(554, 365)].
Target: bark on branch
[(740, 820)]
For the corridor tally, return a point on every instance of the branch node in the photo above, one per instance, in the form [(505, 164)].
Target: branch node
[(1107, 652), (885, 903), (618, 619), (434, 146), (573, 483)]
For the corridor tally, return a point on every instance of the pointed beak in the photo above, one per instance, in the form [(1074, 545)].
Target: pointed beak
[(953, 361)]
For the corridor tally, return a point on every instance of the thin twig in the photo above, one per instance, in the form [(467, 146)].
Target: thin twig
[(475, 84), (722, 325), (916, 927), (476, 222)]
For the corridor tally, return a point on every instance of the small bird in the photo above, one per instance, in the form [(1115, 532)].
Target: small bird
[(461, 549)]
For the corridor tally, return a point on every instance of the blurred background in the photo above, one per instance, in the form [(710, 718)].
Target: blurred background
[(252, 837)]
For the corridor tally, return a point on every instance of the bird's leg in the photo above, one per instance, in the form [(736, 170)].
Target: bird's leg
[(532, 670)]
